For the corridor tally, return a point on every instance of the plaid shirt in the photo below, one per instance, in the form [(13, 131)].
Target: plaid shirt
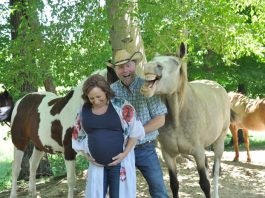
[(146, 108)]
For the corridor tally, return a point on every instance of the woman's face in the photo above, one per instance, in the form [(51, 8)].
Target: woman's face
[(97, 97)]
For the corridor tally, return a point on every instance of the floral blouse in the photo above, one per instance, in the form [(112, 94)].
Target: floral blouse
[(132, 127)]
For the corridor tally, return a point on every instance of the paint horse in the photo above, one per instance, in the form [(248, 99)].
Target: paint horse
[(250, 116), (47, 121), (198, 116)]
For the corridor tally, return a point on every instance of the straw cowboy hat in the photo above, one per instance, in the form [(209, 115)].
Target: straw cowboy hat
[(122, 56)]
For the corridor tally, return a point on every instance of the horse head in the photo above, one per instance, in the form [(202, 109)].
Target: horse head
[(6, 106), (163, 69)]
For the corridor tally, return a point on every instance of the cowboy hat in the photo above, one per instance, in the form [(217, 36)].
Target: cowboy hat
[(123, 56)]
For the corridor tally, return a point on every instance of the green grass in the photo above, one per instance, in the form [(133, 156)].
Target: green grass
[(256, 141), (6, 154), (5, 175)]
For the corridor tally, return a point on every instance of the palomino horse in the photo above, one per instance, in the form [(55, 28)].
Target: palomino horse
[(198, 116), (250, 116), (47, 121)]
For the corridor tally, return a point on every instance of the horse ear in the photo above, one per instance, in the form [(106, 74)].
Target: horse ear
[(6, 93), (182, 50), (111, 75)]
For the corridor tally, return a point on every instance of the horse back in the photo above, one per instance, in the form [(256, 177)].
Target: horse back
[(212, 106), (211, 94), (37, 117)]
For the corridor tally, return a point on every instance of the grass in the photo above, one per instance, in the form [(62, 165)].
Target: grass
[(256, 141), (6, 153)]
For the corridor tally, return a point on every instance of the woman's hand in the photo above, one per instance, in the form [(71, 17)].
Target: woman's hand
[(117, 159), (91, 159)]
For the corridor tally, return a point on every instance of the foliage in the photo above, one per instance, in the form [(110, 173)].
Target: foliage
[(219, 34), (5, 173), (58, 165), (71, 40), (70, 43)]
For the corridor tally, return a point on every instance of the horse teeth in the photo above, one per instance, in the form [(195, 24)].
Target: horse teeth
[(150, 77)]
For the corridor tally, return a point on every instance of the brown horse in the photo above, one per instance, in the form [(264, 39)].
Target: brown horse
[(198, 116), (250, 116)]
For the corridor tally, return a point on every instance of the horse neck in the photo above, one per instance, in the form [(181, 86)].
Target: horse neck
[(76, 102), (175, 102)]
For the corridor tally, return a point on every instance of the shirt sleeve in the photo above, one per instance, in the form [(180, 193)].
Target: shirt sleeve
[(79, 137), (135, 126), (137, 129)]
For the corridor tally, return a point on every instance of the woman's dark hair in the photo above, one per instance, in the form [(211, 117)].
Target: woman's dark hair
[(99, 81)]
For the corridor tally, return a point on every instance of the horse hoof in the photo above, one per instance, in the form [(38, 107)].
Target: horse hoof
[(235, 160), (248, 160)]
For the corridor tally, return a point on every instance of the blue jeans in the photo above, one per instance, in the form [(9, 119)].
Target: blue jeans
[(112, 181), (146, 160)]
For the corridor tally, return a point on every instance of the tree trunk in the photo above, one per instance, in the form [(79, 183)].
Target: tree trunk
[(15, 19), (124, 28)]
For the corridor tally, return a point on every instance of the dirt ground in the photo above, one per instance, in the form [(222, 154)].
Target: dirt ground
[(238, 180)]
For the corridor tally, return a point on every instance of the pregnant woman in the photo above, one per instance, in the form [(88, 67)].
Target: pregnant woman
[(111, 132)]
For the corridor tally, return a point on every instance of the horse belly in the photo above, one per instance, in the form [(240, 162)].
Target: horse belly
[(52, 146), (254, 123), (168, 140), (174, 141)]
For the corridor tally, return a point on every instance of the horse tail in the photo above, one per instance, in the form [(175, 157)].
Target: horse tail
[(233, 116)]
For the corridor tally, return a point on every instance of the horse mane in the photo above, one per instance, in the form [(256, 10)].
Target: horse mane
[(254, 104), (238, 98), (183, 80), (183, 74)]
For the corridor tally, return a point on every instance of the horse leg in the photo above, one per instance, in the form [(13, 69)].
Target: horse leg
[(172, 171), (203, 172), (234, 130), (71, 177), (218, 147), (16, 167), (33, 165), (246, 142)]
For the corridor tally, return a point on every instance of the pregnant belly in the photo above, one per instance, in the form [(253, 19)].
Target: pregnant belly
[(104, 145)]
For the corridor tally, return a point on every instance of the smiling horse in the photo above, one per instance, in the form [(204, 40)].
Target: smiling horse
[(198, 116), (250, 116)]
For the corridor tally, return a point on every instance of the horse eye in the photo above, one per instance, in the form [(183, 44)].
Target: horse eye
[(159, 67)]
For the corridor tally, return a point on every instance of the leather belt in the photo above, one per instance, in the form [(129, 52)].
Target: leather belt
[(145, 143)]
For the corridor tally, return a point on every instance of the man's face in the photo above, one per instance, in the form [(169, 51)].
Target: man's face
[(126, 72)]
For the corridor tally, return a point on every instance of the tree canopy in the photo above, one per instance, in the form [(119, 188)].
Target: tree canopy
[(70, 39)]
